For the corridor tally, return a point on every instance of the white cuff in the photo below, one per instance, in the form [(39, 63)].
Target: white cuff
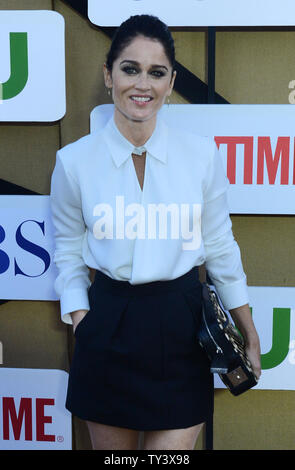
[(71, 300), (233, 295)]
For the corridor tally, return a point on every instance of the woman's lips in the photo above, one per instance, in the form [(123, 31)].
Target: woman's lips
[(141, 100)]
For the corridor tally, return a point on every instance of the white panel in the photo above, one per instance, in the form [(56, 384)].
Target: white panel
[(267, 302), (27, 245), (41, 97), (40, 394), (196, 12)]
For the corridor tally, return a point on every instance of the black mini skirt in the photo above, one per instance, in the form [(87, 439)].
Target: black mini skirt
[(137, 363)]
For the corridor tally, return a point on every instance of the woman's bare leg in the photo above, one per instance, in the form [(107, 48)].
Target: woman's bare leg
[(173, 439), (105, 437)]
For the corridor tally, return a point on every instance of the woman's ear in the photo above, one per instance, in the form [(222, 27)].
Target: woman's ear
[(107, 77), (171, 85)]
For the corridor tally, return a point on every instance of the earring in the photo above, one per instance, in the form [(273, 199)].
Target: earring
[(109, 91), (168, 100)]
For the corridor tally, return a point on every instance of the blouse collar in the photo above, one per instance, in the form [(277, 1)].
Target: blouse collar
[(121, 149)]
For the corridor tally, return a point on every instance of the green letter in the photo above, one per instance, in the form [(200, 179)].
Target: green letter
[(18, 66), (280, 339)]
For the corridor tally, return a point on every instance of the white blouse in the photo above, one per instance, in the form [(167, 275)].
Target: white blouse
[(180, 218)]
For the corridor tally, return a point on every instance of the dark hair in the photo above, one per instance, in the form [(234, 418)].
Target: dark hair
[(141, 25)]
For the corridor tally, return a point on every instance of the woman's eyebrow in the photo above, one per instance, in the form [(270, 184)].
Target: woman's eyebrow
[(134, 62)]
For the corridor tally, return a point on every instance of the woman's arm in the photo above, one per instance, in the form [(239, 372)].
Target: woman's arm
[(223, 258), (73, 281), (243, 320)]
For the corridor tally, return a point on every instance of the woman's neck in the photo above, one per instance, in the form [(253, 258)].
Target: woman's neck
[(137, 132)]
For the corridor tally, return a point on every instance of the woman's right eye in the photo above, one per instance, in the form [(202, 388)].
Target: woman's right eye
[(130, 70)]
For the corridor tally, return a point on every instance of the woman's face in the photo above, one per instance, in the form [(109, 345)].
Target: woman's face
[(141, 79)]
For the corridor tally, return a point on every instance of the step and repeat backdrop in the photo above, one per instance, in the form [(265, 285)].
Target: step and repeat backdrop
[(257, 147)]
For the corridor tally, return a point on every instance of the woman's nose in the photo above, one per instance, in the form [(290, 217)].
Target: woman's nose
[(143, 82)]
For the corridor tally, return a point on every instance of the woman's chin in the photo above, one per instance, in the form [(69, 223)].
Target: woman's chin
[(138, 115)]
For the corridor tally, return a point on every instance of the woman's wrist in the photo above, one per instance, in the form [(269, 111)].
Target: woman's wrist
[(252, 340), (77, 316), (243, 320)]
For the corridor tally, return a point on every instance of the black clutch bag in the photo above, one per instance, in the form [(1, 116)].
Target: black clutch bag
[(224, 345)]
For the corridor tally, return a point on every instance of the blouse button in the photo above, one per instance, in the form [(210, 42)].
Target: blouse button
[(139, 150)]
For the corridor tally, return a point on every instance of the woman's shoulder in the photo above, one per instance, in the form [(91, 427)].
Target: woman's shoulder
[(81, 143), (76, 151)]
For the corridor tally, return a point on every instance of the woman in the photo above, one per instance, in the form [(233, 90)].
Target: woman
[(137, 365)]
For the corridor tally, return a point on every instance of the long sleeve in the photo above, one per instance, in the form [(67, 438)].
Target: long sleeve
[(222, 253), (73, 280)]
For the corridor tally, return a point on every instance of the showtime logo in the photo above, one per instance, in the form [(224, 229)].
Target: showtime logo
[(22, 419), (269, 157), (32, 414)]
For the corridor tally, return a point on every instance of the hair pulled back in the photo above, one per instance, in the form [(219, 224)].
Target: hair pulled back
[(141, 25)]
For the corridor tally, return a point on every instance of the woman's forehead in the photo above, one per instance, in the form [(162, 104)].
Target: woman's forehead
[(142, 49)]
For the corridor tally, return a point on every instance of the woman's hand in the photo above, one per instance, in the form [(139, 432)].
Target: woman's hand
[(77, 316), (243, 320)]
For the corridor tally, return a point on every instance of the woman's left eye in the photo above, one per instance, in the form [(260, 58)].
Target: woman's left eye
[(158, 73)]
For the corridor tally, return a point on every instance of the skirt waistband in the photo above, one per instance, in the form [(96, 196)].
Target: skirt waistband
[(107, 283)]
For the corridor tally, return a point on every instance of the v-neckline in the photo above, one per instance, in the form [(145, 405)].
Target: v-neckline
[(140, 170)]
